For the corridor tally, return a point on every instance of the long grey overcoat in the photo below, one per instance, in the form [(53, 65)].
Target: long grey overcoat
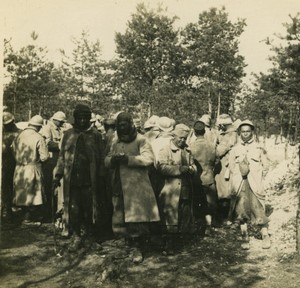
[(169, 162), (95, 151), (139, 200), (226, 140), (29, 150), (257, 159)]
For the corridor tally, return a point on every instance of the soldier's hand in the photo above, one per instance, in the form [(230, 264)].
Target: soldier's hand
[(119, 158), (191, 170), (55, 183), (114, 160), (184, 169), (123, 159)]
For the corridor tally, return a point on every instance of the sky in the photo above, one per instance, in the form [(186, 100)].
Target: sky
[(57, 21)]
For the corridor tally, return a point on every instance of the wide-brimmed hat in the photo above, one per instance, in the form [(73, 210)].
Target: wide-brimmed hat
[(165, 124)]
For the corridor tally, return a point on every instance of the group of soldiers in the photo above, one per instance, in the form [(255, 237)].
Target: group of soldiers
[(164, 178)]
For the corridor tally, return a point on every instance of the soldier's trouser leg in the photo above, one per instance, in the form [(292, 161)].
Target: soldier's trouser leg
[(184, 216)]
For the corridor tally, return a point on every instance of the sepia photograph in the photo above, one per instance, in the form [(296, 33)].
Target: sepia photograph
[(150, 143)]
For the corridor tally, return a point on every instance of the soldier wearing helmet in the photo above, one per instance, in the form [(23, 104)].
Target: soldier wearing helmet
[(52, 133), (226, 139), (30, 151), (248, 162), (9, 133), (210, 133)]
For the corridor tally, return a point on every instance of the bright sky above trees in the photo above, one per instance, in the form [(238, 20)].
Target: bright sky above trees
[(56, 21)]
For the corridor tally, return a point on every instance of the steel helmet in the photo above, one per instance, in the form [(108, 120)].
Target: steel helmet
[(59, 116), (224, 119), (151, 122), (246, 122), (205, 118), (165, 124), (8, 118), (36, 120)]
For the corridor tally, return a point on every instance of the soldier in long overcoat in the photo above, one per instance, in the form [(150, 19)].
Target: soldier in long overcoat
[(9, 134), (210, 133), (81, 165), (30, 151), (247, 162), (176, 164), (165, 126), (134, 203), (204, 154), (227, 138), (52, 132)]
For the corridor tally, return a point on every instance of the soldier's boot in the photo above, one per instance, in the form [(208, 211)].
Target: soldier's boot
[(265, 238), (245, 237), (168, 249), (76, 244), (209, 231), (135, 250)]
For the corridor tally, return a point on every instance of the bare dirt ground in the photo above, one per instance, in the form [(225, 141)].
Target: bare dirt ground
[(28, 258)]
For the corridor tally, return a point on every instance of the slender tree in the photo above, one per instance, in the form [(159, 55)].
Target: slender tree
[(213, 65), (31, 80), (149, 55), (84, 72)]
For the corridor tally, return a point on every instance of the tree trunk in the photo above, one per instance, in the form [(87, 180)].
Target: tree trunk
[(281, 127), (15, 101), (219, 104), (149, 110), (209, 103), (298, 227), (297, 125), (30, 109)]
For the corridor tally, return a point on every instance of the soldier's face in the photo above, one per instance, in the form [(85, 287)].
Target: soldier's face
[(82, 121), (246, 133), (59, 123), (124, 127), (179, 141)]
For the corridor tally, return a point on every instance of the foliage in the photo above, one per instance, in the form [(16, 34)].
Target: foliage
[(158, 69), (213, 65), (149, 54), (33, 88), (276, 95), (83, 74)]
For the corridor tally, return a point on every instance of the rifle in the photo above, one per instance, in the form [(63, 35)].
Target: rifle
[(53, 198)]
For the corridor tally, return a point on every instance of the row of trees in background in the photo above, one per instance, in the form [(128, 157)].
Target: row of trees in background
[(274, 102), (158, 69)]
